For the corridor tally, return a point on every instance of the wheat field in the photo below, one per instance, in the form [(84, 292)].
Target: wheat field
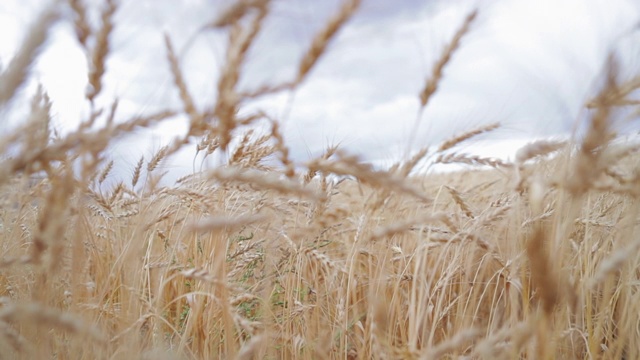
[(268, 258)]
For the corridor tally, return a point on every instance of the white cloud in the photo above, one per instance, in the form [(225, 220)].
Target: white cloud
[(527, 64)]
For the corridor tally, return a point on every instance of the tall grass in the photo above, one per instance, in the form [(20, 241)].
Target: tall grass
[(264, 257)]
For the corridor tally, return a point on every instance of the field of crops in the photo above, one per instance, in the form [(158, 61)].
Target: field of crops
[(332, 258)]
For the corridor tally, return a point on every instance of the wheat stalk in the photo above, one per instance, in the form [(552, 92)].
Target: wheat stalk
[(16, 72), (458, 139), (97, 58), (438, 68), (323, 37)]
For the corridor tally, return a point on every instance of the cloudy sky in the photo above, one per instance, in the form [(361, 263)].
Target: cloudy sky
[(527, 64)]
